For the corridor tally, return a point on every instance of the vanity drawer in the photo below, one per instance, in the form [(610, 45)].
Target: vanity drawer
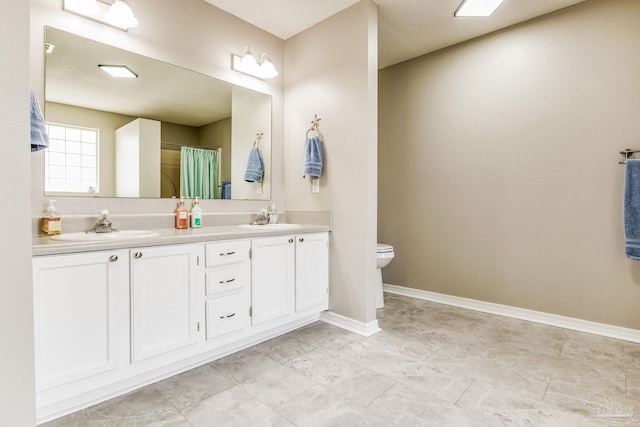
[(226, 314), (226, 278), (227, 252)]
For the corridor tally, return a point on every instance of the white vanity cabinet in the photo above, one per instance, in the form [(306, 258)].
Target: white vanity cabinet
[(312, 272), (272, 278), (164, 301), (289, 274), (109, 322), (227, 289), (80, 316)]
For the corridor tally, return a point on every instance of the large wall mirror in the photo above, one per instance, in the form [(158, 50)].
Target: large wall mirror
[(163, 132)]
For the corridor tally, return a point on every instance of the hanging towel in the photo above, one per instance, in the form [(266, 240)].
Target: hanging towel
[(312, 160), (255, 166), (39, 137), (632, 209)]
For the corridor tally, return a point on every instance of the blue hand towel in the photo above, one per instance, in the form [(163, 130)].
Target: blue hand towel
[(632, 209), (39, 137), (255, 166), (312, 160)]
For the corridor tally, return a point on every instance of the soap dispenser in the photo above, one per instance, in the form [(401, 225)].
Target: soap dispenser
[(51, 223), (273, 215), (196, 214), (182, 215)]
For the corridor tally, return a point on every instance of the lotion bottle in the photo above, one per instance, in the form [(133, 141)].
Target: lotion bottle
[(51, 223), (182, 215), (196, 214), (273, 215)]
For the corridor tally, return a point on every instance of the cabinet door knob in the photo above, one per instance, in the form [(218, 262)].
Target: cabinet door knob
[(113, 258), (290, 240), (138, 255), (301, 239)]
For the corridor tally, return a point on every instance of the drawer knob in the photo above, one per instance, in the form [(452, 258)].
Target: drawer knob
[(227, 281), (113, 258), (228, 316), (227, 253)]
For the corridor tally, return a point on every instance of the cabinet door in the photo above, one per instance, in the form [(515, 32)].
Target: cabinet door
[(272, 278), (163, 300), (312, 272), (78, 300)]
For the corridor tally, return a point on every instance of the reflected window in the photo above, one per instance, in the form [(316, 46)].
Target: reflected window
[(71, 160)]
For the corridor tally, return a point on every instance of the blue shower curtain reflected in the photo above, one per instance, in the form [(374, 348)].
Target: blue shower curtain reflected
[(199, 173)]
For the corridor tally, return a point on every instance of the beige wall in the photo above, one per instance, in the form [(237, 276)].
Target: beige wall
[(106, 122), (17, 392), (498, 165), (331, 70), (191, 34), (218, 135)]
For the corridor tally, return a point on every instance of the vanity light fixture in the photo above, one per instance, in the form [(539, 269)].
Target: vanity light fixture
[(115, 13), (477, 7), (247, 64), (267, 68), (121, 71)]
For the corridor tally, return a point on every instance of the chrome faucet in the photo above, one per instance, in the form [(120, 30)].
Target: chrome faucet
[(103, 225), (262, 218)]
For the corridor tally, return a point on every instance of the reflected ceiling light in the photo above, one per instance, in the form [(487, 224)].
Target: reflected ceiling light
[(477, 7), (118, 71), (116, 13), (247, 64)]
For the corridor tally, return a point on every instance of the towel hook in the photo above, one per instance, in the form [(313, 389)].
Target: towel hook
[(259, 137), (315, 124)]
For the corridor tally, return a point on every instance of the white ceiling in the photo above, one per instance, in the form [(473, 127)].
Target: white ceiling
[(406, 28)]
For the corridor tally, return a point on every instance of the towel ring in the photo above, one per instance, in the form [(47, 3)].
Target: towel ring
[(315, 125)]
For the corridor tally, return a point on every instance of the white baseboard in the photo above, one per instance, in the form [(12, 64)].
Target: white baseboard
[(351, 325), (580, 325)]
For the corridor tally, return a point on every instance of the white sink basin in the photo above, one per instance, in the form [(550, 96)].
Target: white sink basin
[(97, 237), (267, 227)]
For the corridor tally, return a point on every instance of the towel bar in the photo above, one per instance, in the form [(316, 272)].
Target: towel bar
[(627, 153)]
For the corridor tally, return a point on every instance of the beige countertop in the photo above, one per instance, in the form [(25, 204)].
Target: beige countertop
[(167, 236)]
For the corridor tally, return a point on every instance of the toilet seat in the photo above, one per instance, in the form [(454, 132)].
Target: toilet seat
[(383, 249)]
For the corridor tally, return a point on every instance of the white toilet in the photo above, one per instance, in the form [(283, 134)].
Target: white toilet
[(384, 257)]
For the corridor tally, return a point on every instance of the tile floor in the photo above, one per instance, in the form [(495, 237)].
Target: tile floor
[(432, 365)]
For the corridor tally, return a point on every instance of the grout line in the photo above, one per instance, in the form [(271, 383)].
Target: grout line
[(464, 392), (381, 394), (546, 390)]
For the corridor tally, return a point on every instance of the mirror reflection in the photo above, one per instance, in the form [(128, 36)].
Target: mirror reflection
[(162, 131)]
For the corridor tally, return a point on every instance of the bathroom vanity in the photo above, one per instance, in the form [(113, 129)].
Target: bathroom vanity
[(112, 316)]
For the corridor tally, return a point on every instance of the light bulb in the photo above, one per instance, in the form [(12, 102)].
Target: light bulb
[(121, 14), (267, 69)]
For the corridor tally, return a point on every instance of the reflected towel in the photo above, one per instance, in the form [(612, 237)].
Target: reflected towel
[(39, 137), (226, 189), (632, 209), (255, 166), (312, 160)]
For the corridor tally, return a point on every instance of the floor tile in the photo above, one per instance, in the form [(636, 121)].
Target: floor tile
[(432, 364), (233, 407), (321, 407), (268, 381), (350, 380), (193, 386)]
